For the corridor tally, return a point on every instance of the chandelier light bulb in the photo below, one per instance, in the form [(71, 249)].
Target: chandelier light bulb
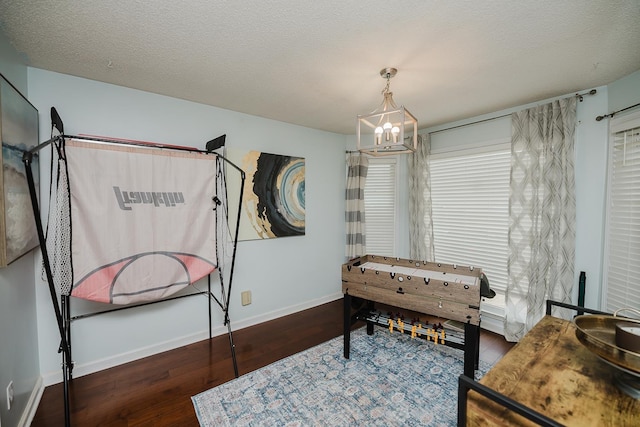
[(378, 135), (395, 131), (387, 131)]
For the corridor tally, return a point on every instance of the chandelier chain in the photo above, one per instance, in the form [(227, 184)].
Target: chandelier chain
[(386, 88)]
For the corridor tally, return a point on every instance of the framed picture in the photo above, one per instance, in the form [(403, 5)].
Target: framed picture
[(273, 199), (19, 133)]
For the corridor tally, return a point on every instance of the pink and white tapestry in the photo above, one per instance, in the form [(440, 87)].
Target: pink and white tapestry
[(143, 220)]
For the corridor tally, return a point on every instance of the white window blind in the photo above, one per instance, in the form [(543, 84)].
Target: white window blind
[(380, 203), (470, 202), (623, 219)]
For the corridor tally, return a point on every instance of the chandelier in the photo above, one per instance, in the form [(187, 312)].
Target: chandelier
[(388, 129)]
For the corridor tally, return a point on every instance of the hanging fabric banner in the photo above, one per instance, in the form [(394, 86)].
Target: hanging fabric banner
[(143, 220)]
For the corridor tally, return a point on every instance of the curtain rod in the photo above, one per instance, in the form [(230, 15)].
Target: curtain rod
[(615, 112), (468, 124), (580, 97)]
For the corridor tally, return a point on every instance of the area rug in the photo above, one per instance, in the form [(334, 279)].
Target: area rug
[(389, 380)]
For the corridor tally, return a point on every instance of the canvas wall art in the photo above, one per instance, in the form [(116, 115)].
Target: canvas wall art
[(19, 133), (273, 200)]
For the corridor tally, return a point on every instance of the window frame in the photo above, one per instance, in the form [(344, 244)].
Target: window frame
[(617, 125)]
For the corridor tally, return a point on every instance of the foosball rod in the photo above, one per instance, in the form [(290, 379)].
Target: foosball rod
[(422, 332)]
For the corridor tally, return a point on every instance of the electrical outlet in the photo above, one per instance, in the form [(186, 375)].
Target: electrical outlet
[(246, 297), (9, 395)]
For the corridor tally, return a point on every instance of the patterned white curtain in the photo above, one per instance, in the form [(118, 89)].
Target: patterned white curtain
[(420, 217), (357, 166), (542, 213)]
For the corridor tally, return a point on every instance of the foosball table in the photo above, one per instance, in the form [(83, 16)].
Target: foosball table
[(446, 291)]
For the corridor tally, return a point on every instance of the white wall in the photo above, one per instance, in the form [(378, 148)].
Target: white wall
[(591, 181), (284, 275), (18, 333), (624, 93)]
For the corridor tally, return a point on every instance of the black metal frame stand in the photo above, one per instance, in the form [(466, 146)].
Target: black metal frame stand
[(62, 309)]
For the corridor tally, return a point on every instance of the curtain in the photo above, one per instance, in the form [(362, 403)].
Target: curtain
[(420, 217), (542, 213), (357, 165)]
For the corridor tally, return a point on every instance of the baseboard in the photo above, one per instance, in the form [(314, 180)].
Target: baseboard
[(256, 320), (32, 404), (492, 313), (80, 370), (492, 323)]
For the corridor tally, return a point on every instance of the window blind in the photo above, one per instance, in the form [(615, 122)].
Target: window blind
[(623, 218), (470, 202), (380, 206)]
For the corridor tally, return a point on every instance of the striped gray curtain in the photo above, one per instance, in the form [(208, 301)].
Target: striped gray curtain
[(357, 166), (420, 217), (542, 213)]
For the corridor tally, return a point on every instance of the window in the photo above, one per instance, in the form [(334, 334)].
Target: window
[(623, 216), (380, 203), (470, 203)]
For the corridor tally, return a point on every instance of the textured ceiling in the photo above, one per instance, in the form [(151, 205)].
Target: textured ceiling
[(317, 63)]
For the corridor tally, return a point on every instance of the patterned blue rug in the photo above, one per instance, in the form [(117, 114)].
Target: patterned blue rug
[(390, 380)]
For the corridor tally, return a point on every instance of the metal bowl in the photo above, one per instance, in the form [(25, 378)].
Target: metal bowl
[(628, 336), (598, 334)]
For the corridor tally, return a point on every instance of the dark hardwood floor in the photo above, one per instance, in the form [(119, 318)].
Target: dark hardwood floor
[(157, 390)]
